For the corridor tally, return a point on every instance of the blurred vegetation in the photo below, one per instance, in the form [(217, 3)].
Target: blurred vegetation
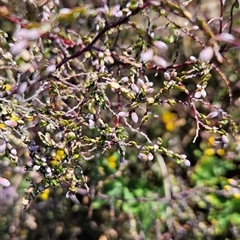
[(119, 119)]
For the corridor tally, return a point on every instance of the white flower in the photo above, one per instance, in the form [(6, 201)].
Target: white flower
[(200, 92)]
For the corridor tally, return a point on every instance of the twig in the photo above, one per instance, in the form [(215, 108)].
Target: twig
[(100, 34)]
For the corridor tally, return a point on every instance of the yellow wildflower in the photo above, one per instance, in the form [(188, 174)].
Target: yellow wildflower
[(44, 196), (237, 195), (220, 152), (7, 87), (60, 154), (169, 119), (112, 161), (209, 152), (14, 117)]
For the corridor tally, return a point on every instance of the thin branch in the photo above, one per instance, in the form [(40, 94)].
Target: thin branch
[(100, 34), (221, 16)]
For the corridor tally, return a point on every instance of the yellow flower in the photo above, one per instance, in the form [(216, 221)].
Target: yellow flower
[(60, 154), (227, 187), (211, 141), (7, 87), (112, 161), (170, 126), (14, 117), (209, 152), (237, 195), (44, 196), (220, 152), (57, 157), (169, 119), (29, 118), (168, 116)]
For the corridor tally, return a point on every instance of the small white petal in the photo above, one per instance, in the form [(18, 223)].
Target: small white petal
[(91, 124), (21, 33), (18, 47), (183, 156), (150, 90), (119, 14), (123, 114), (160, 45), (65, 11), (124, 79), (225, 37), (4, 182), (160, 61), (225, 139), (68, 194), (22, 88), (134, 117), (150, 157), (203, 93), (155, 3), (36, 167), (135, 88), (3, 146), (198, 94), (142, 156), (33, 33), (167, 76), (187, 163), (51, 68), (212, 115), (141, 83), (48, 170), (115, 9), (193, 59), (147, 56), (13, 151), (10, 123), (206, 54)]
